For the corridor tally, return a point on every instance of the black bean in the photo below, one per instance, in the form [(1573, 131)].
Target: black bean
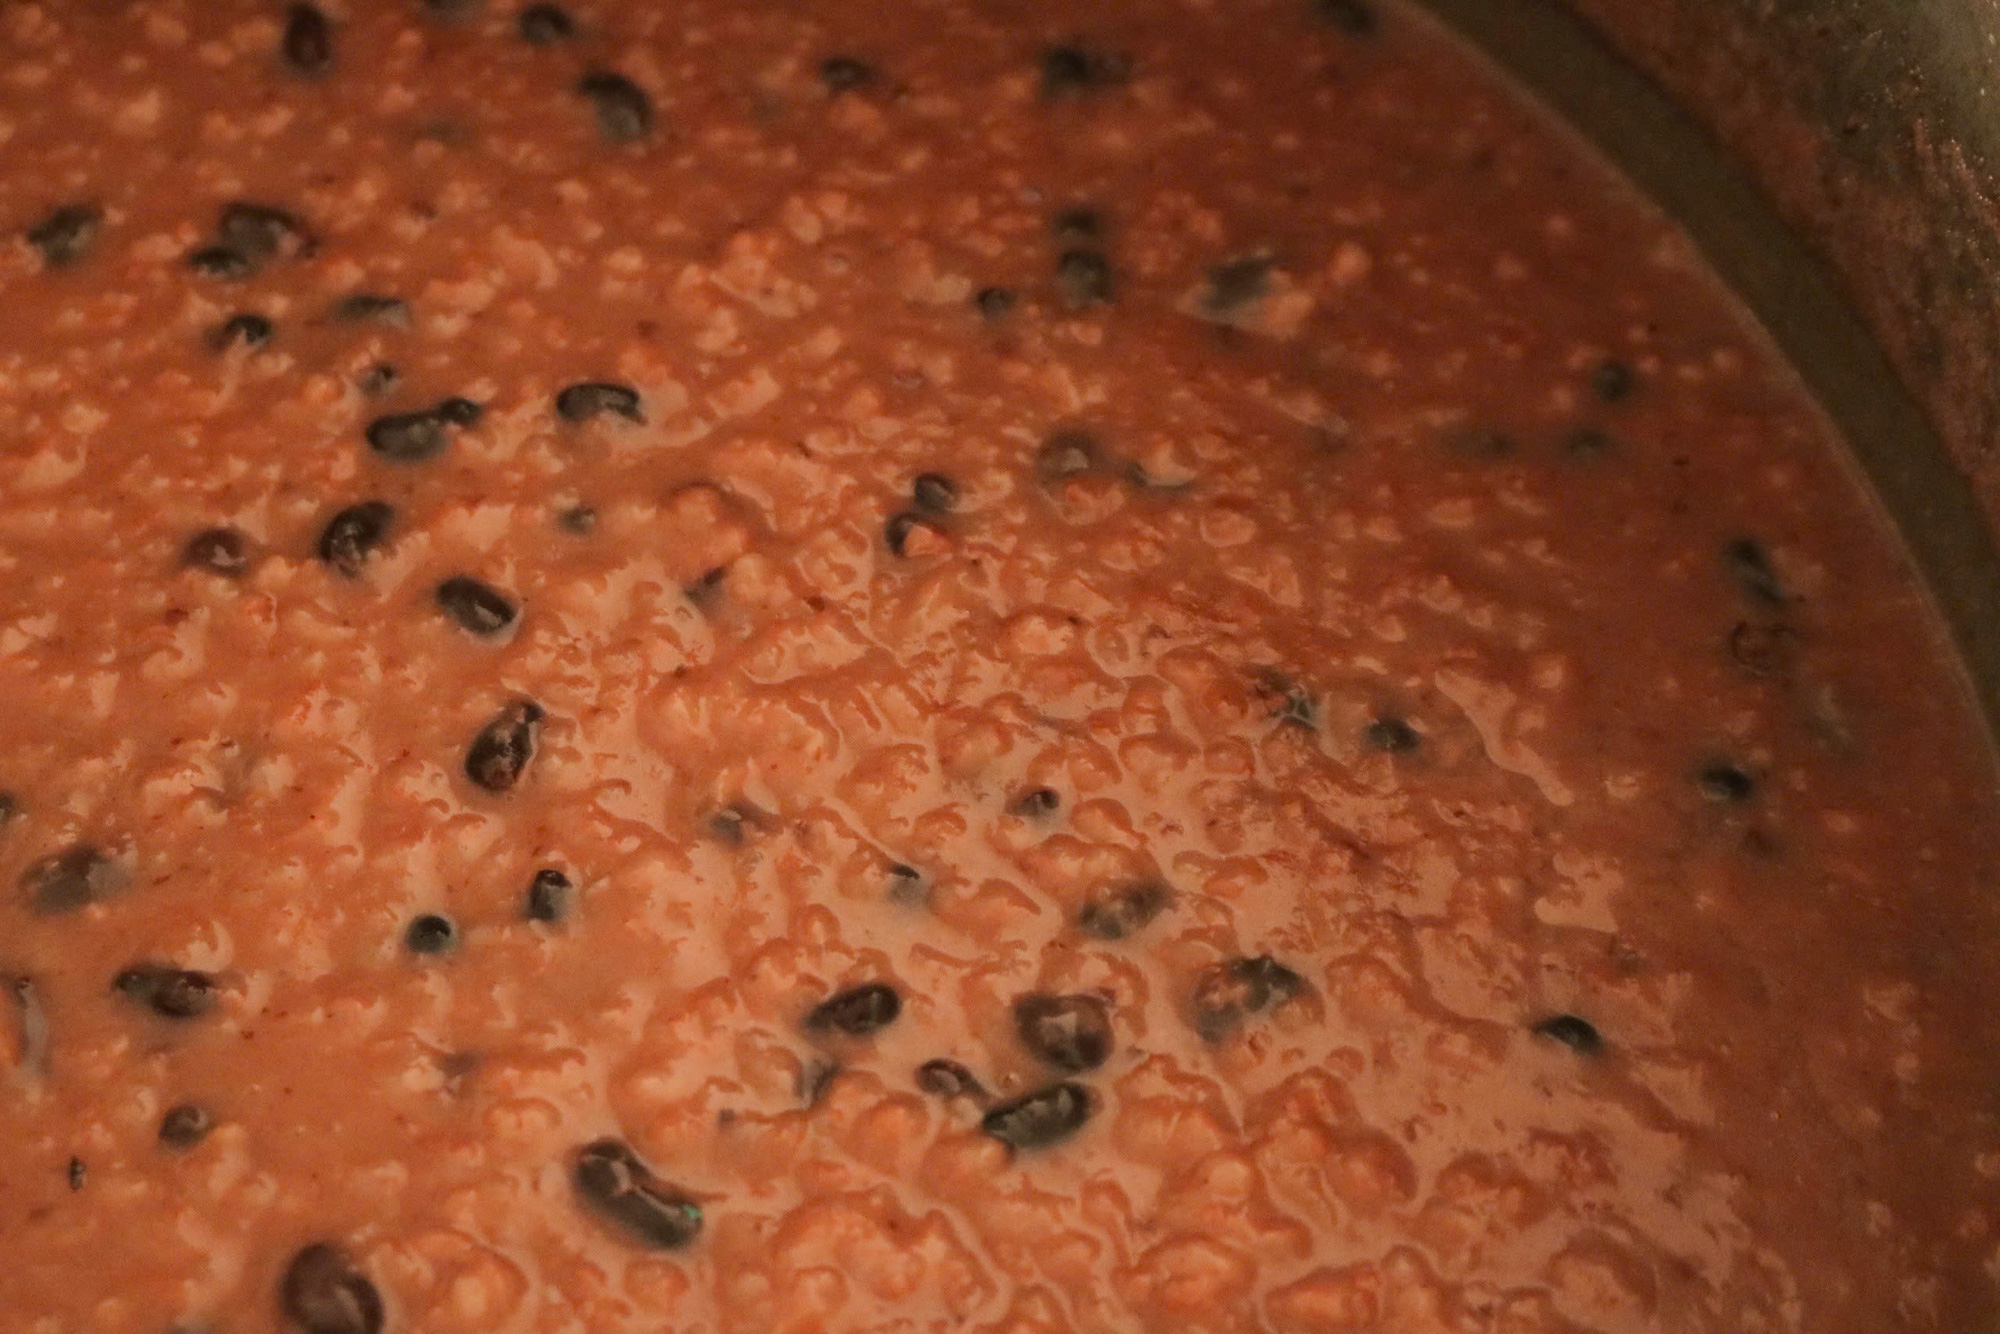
[(732, 824), (31, 1023), (171, 993), (459, 411), (1761, 649), (994, 302), (432, 933), (260, 232), (580, 520), (10, 807), (615, 1181), (219, 261), (1071, 1033), (1725, 783), (323, 1293), (1391, 735), (896, 532), (308, 43), (581, 402), (934, 492), (1579, 1035), (185, 1126), (704, 591), (545, 25), (816, 1076), (245, 330), (65, 881), (1746, 562), (1084, 278), (408, 437), (1076, 225), (843, 74), (67, 234), (354, 535), (1035, 803), (1120, 912), (858, 1011), (1356, 18), (502, 749), (1047, 1116), (479, 608), (1067, 453), (77, 1172), (1613, 381), (1236, 283), (374, 306), (549, 895), (1237, 988), (907, 887), (1069, 72), (624, 112), (948, 1079), (378, 379), (216, 550)]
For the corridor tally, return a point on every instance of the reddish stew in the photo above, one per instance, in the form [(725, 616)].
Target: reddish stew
[(765, 667)]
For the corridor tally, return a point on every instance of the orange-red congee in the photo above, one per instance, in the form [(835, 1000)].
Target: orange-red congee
[(765, 667)]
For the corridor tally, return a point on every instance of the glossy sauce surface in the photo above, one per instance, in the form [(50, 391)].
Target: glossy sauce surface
[(759, 667)]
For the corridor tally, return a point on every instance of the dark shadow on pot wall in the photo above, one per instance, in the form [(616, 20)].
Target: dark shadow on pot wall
[(1833, 164)]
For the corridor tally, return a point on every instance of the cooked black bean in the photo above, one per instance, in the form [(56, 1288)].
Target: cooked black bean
[(501, 751), (77, 1172), (815, 1077), (615, 1181), (858, 1011), (624, 112), (704, 591), (1071, 71), (934, 492), (1356, 18), (65, 881), (896, 532), (31, 1023), (1237, 988), (549, 895), (1047, 1116), (581, 402), (1118, 913), (843, 74), (216, 550), (1084, 278), (355, 534), (732, 824), (1068, 1032), (245, 330), (308, 43), (994, 302), (408, 437), (479, 608), (219, 261), (378, 379), (1076, 225), (10, 806), (545, 25), (1613, 381), (171, 993), (376, 307), (580, 520), (907, 887), (432, 933), (1066, 454), (67, 234), (460, 411), (1725, 783), (1762, 649), (1391, 735), (261, 232), (1579, 1035), (1747, 563), (948, 1079), (1236, 283), (185, 1126), (1035, 803), (323, 1293)]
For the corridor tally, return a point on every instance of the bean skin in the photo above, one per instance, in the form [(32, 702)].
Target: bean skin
[(260, 231), (372, 306), (478, 608), (220, 261), (1042, 1118), (994, 303), (1071, 1033), (593, 398), (218, 551), (502, 749), (323, 1293), (1067, 453), (308, 41), (858, 1011), (1235, 989), (934, 493), (1084, 278), (1390, 735), (1613, 381), (896, 532), (408, 437), (1235, 284), (185, 1125), (545, 25), (1748, 565), (844, 74), (355, 535), (67, 234), (1579, 1035), (245, 330), (549, 895), (1070, 72), (1725, 784), (616, 1183), (171, 993), (431, 933), (948, 1079), (624, 112), (378, 379), (1121, 912), (65, 881), (1036, 803)]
